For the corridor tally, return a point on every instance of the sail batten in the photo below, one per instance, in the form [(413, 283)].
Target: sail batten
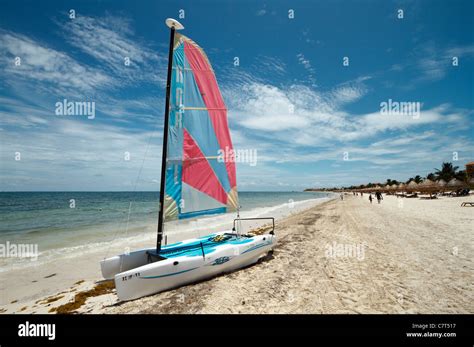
[(197, 182)]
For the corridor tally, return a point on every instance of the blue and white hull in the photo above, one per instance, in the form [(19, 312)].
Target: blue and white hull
[(144, 272)]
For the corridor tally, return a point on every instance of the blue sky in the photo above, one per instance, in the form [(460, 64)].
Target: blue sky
[(290, 98)]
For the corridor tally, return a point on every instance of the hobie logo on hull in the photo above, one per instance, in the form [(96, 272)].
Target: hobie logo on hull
[(221, 260), (37, 330)]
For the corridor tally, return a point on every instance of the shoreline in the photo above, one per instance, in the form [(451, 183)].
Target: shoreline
[(336, 257), (122, 235)]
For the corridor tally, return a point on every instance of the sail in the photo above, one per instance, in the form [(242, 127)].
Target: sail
[(199, 178)]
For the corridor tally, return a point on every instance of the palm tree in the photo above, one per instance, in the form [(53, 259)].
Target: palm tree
[(461, 175), (447, 172), (431, 176), (417, 179)]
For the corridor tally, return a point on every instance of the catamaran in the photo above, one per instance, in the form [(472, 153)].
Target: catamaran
[(194, 182)]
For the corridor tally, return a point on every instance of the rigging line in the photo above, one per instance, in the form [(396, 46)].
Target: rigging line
[(130, 204), (128, 218), (134, 186), (126, 228)]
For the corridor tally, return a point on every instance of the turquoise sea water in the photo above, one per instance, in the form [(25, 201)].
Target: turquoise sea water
[(67, 219)]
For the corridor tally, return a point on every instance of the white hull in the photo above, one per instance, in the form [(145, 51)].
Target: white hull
[(135, 276)]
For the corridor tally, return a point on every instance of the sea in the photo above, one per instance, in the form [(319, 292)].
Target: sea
[(66, 222)]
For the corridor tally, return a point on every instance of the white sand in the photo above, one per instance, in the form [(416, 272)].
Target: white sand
[(407, 256)]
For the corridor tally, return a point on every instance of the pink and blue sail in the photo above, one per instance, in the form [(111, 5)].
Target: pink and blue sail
[(200, 180)]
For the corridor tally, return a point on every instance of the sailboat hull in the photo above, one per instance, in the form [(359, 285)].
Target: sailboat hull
[(136, 275)]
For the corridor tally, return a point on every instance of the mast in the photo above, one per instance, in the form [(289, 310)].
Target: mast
[(173, 25)]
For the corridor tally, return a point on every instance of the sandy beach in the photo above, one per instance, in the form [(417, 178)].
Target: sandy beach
[(400, 256)]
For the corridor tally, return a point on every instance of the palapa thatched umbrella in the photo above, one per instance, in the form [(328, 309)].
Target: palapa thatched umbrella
[(386, 189), (441, 184), (428, 186), (373, 189), (401, 188), (391, 188), (412, 186), (455, 184)]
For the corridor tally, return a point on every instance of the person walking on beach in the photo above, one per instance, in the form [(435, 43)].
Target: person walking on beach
[(370, 198), (379, 197), (342, 196)]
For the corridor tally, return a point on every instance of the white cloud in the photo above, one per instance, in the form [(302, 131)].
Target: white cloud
[(291, 115), (276, 110), (298, 124), (84, 154), (110, 40), (303, 61), (434, 63), (271, 65), (308, 67), (348, 94), (49, 69), (306, 117)]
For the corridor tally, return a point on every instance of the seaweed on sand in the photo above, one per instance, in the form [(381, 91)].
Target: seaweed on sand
[(81, 297)]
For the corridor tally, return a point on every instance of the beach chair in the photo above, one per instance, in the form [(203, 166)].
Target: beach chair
[(467, 203)]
